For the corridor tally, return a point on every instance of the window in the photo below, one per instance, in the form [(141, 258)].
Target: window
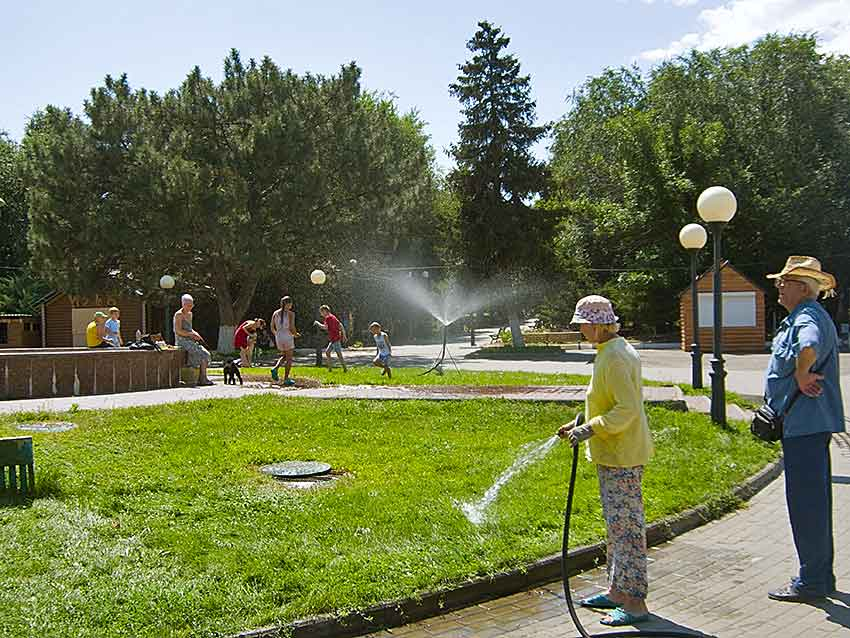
[(739, 310), (4, 333)]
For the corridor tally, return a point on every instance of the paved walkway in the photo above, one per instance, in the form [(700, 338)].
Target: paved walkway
[(712, 580), (652, 394)]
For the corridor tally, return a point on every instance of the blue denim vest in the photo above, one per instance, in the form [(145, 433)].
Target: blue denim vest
[(809, 325)]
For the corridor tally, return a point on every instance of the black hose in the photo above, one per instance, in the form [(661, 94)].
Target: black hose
[(442, 356), (659, 633)]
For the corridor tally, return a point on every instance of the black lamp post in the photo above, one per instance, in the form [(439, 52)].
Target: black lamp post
[(717, 206), (693, 238), (166, 282)]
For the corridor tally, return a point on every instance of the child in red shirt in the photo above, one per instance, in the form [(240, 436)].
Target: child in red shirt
[(336, 334)]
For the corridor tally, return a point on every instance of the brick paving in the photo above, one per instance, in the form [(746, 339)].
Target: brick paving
[(712, 580)]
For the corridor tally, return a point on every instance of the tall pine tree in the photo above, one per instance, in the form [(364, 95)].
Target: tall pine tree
[(496, 175)]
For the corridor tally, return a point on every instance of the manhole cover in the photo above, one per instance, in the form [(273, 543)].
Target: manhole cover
[(289, 470), (47, 426)]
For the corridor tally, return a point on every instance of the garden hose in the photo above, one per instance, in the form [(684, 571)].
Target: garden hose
[(658, 633)]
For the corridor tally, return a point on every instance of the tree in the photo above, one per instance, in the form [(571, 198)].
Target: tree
[(218, 184), (496, 174), (20, 292), (13, 212), (633, 153)]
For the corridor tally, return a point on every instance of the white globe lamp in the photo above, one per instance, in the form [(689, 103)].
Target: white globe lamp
[(318, 277), (693, 237), (717, 204), (166, 282)]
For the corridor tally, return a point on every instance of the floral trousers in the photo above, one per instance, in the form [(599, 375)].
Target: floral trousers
[(622, 507)]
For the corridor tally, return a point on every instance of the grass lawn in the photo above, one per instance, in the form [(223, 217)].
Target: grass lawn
[(155, 522), (369, 375)]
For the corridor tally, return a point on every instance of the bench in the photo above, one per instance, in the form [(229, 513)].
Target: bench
[(17, 472), (498, 336)]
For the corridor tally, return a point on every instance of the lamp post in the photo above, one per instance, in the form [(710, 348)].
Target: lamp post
[(166, 282), (318, 278), (717, 206), (693, 238)]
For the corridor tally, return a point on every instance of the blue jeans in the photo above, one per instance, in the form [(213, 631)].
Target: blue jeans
[(808, 491)]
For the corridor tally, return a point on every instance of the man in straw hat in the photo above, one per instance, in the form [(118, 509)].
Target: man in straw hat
[(802, 380)]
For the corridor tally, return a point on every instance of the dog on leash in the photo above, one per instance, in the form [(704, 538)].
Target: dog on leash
[(231, 372)]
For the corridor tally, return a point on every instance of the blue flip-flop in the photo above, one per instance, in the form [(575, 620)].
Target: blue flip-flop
[(599, 601), (619, 617), (274, 374)]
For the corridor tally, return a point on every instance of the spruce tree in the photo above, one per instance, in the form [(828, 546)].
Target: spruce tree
[(496, 175)]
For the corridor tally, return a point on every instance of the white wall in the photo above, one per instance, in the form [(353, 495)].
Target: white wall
[(739, 310)]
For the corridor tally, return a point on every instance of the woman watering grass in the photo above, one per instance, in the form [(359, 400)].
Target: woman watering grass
[(619, 444)]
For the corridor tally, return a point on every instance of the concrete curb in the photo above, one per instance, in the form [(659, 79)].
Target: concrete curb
[(483, 588)]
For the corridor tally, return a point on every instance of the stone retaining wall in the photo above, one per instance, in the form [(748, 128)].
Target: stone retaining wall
[(65, 372), (551, 337)]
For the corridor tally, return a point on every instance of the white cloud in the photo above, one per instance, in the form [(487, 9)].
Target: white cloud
[(742, 21)]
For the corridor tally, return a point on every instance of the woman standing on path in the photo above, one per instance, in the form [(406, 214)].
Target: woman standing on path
[(620, 445), (283, 329), (186, 338)]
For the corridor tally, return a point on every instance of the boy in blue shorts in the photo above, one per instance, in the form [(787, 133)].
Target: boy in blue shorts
[(385, 349)]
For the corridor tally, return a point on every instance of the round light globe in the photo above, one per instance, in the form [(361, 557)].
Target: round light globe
[(353, 262), (166, 282), (717, 204), (693, 236), (318, 277)]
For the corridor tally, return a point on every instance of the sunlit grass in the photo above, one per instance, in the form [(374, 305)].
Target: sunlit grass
[(155, 521)]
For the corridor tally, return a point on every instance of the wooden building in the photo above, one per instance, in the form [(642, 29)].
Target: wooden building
[(19, 331), (743, 313), (64, 317)]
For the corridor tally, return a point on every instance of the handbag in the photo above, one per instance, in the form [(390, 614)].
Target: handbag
[(767, 424)]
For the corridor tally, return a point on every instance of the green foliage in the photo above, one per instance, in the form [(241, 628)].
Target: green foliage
[(630, 158), (223, 184), (20, 292), (156, 522), (496, 173), (13, 211)]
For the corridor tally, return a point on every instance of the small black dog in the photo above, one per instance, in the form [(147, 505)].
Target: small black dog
[(231, 372)]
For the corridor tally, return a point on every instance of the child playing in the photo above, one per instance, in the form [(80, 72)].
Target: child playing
[(245, 338), (113, 328), (336, 334), (385, 350)]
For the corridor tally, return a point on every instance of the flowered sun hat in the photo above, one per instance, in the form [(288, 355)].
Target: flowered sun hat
[(594, 309)]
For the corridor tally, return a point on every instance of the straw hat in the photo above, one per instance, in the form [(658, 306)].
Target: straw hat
[(801, 266)]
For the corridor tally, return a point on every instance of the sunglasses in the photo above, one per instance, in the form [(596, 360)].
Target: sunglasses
[(782, 281)]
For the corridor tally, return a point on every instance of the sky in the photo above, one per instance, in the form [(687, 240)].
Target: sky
[(408, 50)]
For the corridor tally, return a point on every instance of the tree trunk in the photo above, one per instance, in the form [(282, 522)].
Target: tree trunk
[(231, 312), (516, 331)]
